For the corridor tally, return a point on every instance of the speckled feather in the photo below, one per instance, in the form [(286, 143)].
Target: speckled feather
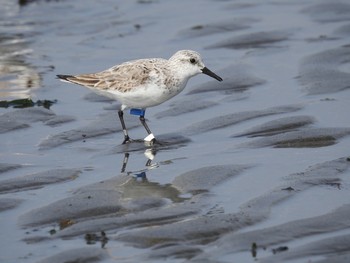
[(145, 82)]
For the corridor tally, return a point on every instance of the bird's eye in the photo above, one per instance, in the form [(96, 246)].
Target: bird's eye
[(192, 60)]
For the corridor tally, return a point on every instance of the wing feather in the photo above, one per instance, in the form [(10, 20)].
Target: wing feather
[(122, 78)]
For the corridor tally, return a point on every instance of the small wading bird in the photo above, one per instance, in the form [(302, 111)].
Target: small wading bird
[(143, 83)]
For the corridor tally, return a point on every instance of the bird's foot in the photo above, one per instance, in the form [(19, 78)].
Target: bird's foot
[(126, 140), (153, 142), (150, 138)]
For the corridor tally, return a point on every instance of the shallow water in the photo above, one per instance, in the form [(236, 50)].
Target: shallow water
[(254, 168)]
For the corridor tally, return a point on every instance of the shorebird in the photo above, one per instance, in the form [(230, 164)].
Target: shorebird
[(143, 83)]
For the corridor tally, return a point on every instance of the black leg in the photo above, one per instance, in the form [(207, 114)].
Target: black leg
[(126, 136), (143, 121), (125, 162), (150, 136)]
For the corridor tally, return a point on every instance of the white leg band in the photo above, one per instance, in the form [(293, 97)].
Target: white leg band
[(149, 138)]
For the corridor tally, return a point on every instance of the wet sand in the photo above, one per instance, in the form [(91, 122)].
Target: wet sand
[(251, 169)]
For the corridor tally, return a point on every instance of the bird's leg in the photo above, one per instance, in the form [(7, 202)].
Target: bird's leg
[(150, 137), (126, 135), (143, 121), (125, 162)]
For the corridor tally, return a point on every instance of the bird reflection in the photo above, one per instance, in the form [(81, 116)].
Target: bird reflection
[(149, 153), (138, 189)]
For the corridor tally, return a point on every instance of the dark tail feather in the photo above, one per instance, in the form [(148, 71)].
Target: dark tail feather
[(65, 77)]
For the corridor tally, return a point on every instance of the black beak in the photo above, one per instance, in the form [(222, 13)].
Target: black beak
[(206, 71)]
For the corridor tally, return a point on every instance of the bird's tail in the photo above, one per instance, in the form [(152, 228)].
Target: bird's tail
[(65, 78), (86, 80)]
